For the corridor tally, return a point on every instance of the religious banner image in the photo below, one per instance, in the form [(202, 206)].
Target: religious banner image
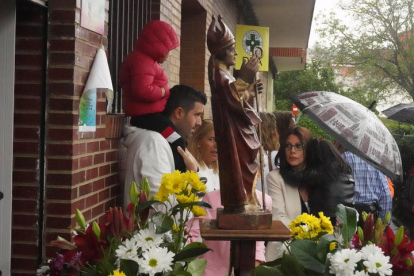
[(247, 39), (93, 15)]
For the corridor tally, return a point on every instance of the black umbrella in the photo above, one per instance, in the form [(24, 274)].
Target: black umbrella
[(354, 126), (403, 112)]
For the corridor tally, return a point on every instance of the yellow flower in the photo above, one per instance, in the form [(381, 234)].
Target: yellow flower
[(176, 228), (198, 211), (193, 179), (305, 226), (173, 182), (162, 194), (117, 273), (326, 225), (187, 199), (332, 246)]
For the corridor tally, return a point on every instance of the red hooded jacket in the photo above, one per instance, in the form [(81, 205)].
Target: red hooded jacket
[(141, 77)]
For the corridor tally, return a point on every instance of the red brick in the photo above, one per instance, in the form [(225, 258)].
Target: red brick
[(111, 180), (67, 45), (104, 170), (87, 215), (27, 104), (62, 58), (86, 161), (28, 60), (115, 191), (32, 89), (61, 74), (64, 16), (80, 76), (29, 44), (25, 220), (26, 119), (26, 147), (92, 200), (63, 104), (61, 179), (58, 208), (85, 189), (92, 147), (63, 89), (83, 61), (66, 31), (91, 174), (25, 163), (116, 144), (61, 134), (99, 158), (32, 75), (24, 177), (24, 264), (26, 133), (100, 209), (101, 106), (24, 205), (61, 193), (95, 38), (54, 164), (29, 31), (85, 49), (58, 222), (63, 119), (57, 4), (98, 185), (24, 235), (105, 145), (24, 249), (63, 149)]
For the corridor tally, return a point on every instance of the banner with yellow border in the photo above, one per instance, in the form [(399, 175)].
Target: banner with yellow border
[(247, 37)]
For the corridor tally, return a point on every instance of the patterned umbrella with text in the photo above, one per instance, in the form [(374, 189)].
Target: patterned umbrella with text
[(355, 126), (403, 112)]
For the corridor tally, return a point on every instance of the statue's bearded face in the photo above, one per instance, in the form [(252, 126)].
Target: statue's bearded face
[(231, 54)]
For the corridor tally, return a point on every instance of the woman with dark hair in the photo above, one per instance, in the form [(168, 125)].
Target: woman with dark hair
[(284, 122), (312, 178)]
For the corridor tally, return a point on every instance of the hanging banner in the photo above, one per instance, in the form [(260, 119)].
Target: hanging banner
[(99, 77), (247, 38)]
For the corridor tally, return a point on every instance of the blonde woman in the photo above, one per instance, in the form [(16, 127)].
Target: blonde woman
[(203, 147)]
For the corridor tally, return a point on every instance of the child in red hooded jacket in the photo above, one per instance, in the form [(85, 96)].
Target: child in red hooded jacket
[(145, 84)]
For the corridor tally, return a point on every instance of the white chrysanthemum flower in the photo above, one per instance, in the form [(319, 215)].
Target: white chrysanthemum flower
[(378, 263), (155, 260), (361, 273), (147, 238), (344, 262), (128, 250), (44, 269), (370, 249)]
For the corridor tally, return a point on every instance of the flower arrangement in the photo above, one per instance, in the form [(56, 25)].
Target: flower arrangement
[(150, 240), (317, 248)]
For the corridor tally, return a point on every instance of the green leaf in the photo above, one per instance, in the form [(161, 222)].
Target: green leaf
[(348, 216), (129, 267), (197, 267), (133, 193), (191, 251), (163, 222), (305, 252), (322, 248), (291, 266), (263, 270), (146, 205)]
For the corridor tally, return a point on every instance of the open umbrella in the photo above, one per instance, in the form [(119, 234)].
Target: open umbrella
[(355, 126), (403, 112)]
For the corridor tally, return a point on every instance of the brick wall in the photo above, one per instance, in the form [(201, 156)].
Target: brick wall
[(26, 148), (83, 170)]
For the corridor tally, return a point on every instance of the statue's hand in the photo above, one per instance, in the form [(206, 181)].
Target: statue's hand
[(189, 160), (252, 88), (248, 70)]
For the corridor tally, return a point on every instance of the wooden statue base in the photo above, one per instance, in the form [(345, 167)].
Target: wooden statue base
[(244, 221), (243, 242)]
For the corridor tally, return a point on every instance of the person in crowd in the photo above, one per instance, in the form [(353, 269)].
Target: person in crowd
[(372, 192), (284, 122), (310, 169), (312, 177), (270, 144), (145, 84), (203, 147), (149, 153), (218, 260)]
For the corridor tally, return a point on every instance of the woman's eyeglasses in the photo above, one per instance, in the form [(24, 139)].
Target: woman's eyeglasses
[(298, 147)]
